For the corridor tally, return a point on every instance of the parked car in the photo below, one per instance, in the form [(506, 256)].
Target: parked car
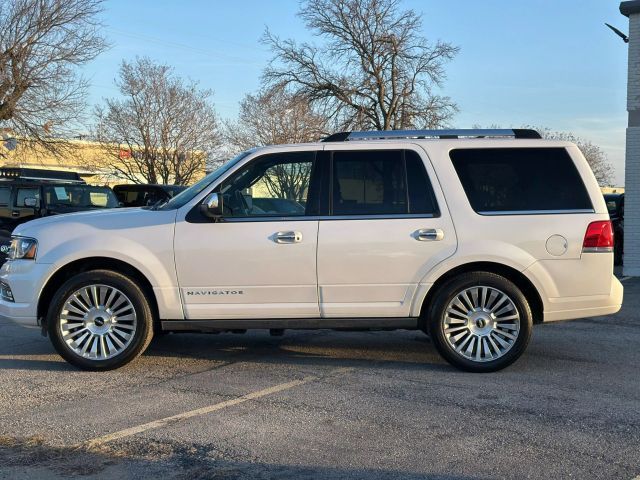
[(27, 193), (472, 236), (615, 206), (142, 195)]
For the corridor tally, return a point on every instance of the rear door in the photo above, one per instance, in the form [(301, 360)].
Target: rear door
[(20, 213), (5, 208), (387, 226), (6, 224)]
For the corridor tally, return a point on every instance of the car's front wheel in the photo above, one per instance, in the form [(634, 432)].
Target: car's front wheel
[(100, 320), (480, 322)]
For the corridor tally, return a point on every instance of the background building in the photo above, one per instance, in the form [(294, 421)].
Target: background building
[(89, 159), (632, 162)]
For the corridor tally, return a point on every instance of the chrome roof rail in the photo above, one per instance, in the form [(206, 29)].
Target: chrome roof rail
[(452, 133)]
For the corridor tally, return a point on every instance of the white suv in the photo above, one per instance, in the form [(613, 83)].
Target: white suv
[(472, 236)]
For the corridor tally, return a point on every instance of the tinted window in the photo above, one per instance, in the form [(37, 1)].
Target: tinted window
[(5, 193), (26, 193), (79, 196), (382, 182), (421, 196), (273, 185), (369, 183), (128, 197), (520, 179)]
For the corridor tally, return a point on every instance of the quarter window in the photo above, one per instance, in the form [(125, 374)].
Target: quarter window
[(520, 180)]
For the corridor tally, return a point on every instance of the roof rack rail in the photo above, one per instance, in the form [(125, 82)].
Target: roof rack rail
[(453, 133), (39, 174)]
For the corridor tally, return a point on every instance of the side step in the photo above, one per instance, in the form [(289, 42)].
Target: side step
[(289, 323)]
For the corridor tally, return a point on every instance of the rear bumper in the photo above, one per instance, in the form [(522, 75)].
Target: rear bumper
[(568, 308)]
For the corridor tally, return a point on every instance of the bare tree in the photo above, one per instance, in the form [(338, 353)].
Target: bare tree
[(375, 70), (274, 116), (289, 180), (596, 157), (163, 128), (42, 42)]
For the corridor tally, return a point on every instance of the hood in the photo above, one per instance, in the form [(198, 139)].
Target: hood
[(111, 219)]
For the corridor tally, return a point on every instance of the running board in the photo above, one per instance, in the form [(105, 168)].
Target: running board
[(290, 323)]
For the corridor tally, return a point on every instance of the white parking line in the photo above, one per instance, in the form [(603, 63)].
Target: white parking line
[(622, 280), (127, 432)]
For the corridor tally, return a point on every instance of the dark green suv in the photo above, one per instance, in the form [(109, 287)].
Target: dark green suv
[(28, 193)]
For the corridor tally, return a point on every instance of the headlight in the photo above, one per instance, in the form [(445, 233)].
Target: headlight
[(23, 248)]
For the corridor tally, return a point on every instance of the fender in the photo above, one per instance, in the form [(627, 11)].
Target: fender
[(473, 252)]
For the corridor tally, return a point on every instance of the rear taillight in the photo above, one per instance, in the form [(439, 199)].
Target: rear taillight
[(599, 237)]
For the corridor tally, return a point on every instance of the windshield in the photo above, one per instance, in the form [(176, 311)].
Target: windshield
[(79, 196), (190, 193)]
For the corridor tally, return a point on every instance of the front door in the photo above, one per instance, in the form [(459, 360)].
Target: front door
[(386, 229), (259, 260)]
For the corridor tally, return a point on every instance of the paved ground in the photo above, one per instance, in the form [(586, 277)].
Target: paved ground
[(328, 405)]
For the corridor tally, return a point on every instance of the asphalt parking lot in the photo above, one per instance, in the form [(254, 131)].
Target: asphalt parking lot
[(328, 405)]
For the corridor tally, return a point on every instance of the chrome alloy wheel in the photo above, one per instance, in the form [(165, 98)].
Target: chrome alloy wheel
[(98, 322), (481, 323)]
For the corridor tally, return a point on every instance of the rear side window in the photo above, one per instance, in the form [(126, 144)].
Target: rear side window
[(24, 193), (520, 180), (380, 182), (5, 193)]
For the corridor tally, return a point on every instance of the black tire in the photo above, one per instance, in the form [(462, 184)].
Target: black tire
[(137, 343), (436, 318)]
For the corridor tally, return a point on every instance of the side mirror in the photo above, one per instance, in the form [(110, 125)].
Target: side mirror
[(31, 202), (212, 206)]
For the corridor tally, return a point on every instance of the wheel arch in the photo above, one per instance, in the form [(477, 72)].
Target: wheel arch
[(518, 278), (94, 263)]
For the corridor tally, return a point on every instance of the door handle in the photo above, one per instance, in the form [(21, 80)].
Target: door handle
[(15, 214), (429, 234), (288, 237)]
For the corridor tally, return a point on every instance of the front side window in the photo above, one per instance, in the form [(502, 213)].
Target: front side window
[(274, 185), (520, 180), (381, 182)]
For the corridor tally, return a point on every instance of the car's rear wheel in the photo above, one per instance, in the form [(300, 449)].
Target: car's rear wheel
[(480, 322), (100, 320)]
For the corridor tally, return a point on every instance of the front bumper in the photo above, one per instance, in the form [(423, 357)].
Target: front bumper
[(26, 279)]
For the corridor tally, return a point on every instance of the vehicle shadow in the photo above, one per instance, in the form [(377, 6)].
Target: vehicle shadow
[(411, 350), (307, 348)]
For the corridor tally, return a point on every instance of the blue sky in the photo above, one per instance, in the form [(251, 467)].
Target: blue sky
[(537, 62)]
